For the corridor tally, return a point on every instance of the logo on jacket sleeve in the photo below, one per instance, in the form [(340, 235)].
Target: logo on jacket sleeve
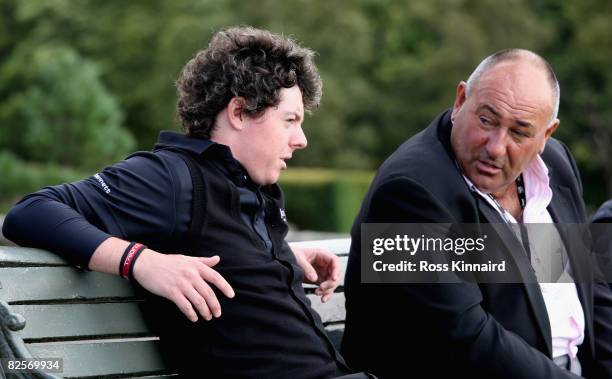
[(283, 215), (102, 183)]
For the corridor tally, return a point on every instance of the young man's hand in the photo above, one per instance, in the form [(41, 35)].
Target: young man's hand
[(320, 267), (184, 280)]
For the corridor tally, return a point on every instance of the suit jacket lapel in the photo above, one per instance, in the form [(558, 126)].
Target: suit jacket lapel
[(529, 280), (512, 243), (562, 213)]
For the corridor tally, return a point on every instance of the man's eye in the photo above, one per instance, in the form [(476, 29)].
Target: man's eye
[(519, 133), (485, 121)]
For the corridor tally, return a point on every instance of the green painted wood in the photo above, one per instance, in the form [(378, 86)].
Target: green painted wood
[(10, 255), (331, 311), (86, 320), (81, 320), (109, 358), (15, 254), (20, 283), (52, 283)]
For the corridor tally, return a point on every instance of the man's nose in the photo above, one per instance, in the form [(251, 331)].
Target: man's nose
[(298, 139), (496, 144)]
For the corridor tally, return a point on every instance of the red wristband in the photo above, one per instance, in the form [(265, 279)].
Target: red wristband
[(126, 265)]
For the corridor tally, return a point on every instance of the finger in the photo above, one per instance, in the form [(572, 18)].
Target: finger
[(319, 292), (331, 263), (336, 270), (328, 285), (323, 292), (209, 297), (324, 295), (329, 291), (213, 277), (185, 306), (327, 297), (199, 303), (328, 264), (309, 272), (210, 261)]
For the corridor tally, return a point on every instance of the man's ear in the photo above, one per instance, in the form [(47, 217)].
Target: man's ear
[(549, 132), (460, 97), (235, 114)]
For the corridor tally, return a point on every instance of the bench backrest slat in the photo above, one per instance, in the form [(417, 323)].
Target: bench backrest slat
[(23, 284), (28, 256), (46, 284), (109, 358), (73, 321), (81, 321)]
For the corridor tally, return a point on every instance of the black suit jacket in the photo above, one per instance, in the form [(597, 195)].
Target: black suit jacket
[(468, 329), (602, 239)]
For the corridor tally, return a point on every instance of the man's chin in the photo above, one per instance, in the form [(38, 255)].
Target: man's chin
[(270, 179), (486, 185)]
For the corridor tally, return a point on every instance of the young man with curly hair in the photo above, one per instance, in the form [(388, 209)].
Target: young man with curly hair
[(207, 207)]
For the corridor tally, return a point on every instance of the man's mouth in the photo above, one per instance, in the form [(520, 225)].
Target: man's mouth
[(284, 165), (487, 167)]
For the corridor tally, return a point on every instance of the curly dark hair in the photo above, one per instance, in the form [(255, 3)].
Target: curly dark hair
[(243, 62)]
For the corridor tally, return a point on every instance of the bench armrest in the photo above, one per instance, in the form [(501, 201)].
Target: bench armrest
[(11, 344)]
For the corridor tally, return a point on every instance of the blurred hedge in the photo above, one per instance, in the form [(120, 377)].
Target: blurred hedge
[(323, 199), (19, 178)]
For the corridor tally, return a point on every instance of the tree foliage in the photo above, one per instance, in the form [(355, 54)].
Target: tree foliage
[(389, 66), (57, 110)]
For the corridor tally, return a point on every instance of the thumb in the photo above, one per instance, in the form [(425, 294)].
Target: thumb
[(309, 272)]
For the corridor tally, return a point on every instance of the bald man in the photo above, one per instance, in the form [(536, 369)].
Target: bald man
[(489, 159)]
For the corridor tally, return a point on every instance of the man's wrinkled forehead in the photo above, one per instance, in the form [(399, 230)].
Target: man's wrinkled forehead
[(532, 69), (517, 86)]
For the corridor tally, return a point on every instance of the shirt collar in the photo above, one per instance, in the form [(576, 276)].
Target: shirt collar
[(538, 193), (222, 153), (173, 139)]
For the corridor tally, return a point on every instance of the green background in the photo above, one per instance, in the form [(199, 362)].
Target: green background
[(84, 83)]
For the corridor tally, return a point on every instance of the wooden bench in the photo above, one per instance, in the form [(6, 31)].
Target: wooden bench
[(92, 321)]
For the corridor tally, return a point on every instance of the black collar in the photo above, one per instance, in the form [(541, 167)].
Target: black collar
[(202, 146)]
